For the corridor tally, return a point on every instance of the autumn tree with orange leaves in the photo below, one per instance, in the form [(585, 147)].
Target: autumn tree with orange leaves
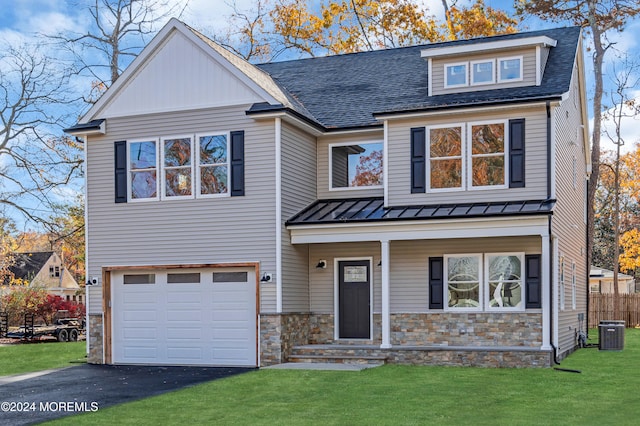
[(304, 28)]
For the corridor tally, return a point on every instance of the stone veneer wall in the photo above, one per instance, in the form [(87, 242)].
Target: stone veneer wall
[(279, 333), (95, 332), (458, 329)]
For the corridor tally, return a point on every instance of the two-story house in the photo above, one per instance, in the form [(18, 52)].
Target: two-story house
[(422, 204)]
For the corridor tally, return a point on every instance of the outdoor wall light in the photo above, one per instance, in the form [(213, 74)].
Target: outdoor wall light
[(322, 264), (266, 278)]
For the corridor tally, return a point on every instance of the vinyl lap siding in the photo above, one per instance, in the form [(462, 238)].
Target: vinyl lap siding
[(298, 191), (323, 167), (399, 179), (409, 267), (529, 71), (213, 230), (568, 222)]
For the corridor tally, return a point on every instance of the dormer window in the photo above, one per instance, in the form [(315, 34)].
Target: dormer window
[(456, 75), (482, 72), (510, 69)]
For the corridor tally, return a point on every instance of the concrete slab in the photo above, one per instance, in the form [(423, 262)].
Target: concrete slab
[(329, 366)]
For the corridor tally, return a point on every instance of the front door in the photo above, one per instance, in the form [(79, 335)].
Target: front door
[(354, 284)]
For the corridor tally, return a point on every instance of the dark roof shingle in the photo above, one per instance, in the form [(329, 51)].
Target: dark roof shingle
[(345, 91)]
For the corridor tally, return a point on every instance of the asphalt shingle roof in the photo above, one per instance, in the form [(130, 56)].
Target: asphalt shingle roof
[(345, 91), (27, 265)]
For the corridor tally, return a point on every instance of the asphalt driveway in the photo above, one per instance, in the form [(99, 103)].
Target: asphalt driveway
[(86, 388)]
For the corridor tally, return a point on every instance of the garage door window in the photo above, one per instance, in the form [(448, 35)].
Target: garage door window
[(184, 278), (229, 277), (139, 279)]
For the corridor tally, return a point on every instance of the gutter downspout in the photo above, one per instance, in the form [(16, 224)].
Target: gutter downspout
[(551, 252)]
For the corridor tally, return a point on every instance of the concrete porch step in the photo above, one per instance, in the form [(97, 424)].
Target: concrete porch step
[(339, 354)]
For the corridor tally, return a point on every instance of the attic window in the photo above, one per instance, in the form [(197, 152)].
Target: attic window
[(456, 75), (510, 69)]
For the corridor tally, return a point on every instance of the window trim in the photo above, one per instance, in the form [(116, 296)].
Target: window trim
[(487, 301), (492, 61), (463, 177), (197, 164), (508, 58), (353, 188), (445, 278), (130, 198), (446, 74), (505, 154), (163, 168)]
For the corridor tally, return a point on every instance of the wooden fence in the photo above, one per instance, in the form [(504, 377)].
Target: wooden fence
[(601, 308)]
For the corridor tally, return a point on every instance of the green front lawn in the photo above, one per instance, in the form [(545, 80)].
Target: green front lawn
[(28, 357), (606, 392)]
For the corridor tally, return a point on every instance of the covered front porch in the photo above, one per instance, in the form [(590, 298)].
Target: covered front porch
[(390, 310)]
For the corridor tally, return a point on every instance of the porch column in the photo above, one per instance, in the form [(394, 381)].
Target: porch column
[(546, 293), (386, 318)]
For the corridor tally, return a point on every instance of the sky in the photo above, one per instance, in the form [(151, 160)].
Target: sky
[(21, 19)]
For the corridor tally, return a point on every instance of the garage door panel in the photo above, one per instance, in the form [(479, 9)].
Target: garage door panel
[(185, 333), (206, 323), (140, 333)]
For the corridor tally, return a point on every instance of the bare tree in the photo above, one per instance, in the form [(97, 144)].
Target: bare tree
[(599, 17), (624, 106), (118, 33), (34, 161)]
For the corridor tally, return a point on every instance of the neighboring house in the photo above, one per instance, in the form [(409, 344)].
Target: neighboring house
[(46, 269), (422, 204), (601, 281)]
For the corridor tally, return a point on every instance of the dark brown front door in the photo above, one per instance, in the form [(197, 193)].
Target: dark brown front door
[(354, 290)]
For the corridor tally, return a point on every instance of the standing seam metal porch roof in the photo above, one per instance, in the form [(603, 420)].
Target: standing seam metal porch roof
[(373, 210)]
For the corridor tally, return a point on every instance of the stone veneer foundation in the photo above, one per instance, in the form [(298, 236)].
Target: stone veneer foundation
[(95, 339), (279, 333)]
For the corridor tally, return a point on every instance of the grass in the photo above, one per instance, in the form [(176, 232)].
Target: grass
[(28, 357), (607, 391)]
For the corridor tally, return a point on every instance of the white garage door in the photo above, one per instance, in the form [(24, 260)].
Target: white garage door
[(184, 317)]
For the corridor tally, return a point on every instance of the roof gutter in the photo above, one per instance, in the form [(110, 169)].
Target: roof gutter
[(488, 106)]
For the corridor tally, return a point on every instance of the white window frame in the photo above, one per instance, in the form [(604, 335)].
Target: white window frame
[(510, 58), (470, 155), (446, 74), (130, 199), (164, 168), (198, 165), (520, 308), (354, 188), (445, 274), (472, 73), (463, 157)]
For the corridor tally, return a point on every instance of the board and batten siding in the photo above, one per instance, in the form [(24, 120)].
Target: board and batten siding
[(298, 191), (409, 287), (399, 159), (324, 191), (191, 231), (529, 71), (569, 219)]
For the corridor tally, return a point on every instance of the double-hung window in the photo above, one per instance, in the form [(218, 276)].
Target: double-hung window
[(484, 282), (467, 156), (177, 172), (143, 170), (181, 167), (213, 164)]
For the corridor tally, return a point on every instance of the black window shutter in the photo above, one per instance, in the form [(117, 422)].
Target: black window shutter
[(436, 283), (120, 150), (516, 153), (533, 281), (237, 163), (418, 161)]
